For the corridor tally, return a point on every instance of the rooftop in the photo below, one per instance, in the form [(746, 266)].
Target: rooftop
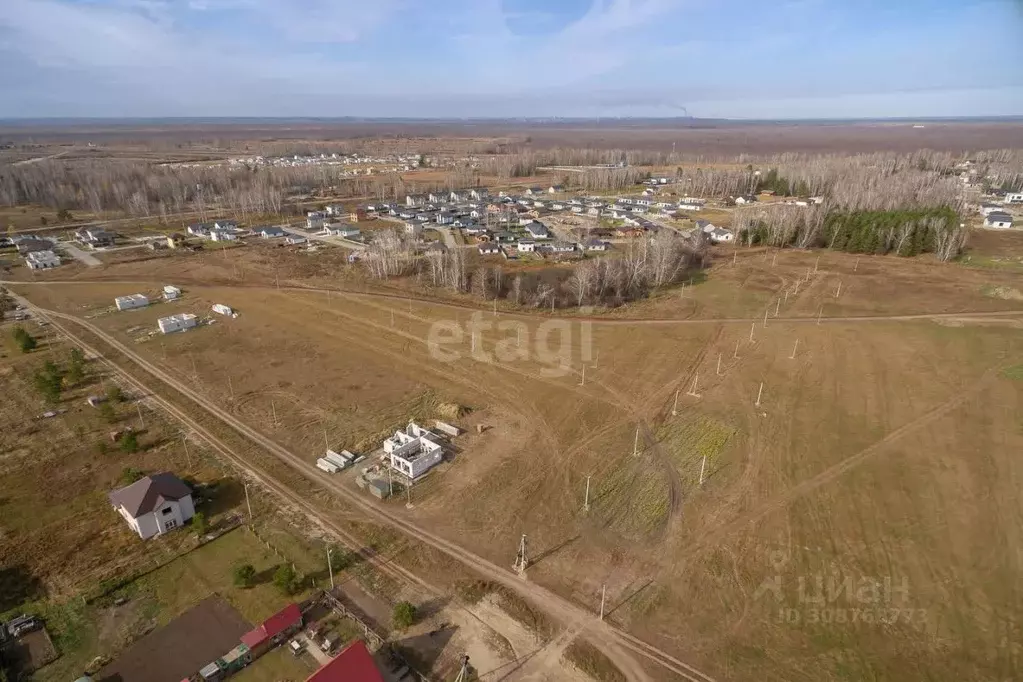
[(146, 494), (354, 664)]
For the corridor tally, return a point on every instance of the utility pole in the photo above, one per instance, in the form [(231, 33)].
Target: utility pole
[(692, 389), (766, 310), (635, 444), (390, 482), (521, 561), (818, 262), (857, 265), (230, 386), (603, 597), (582, 382), (719, 364), (247, 503), (330, 568), (751, 328), (819, 312), (735, 353), (760, 393), (674, 410), (774, 261), (142, 422), (586, 503), (795, 346), (703, 468), (839, 291), (463, 672), (326, 441), (273, 408), (777, 308), (188, 456)]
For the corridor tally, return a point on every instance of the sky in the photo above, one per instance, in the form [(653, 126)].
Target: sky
[(787, 59)]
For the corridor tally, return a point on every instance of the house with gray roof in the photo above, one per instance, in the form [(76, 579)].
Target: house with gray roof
[(155, 504)]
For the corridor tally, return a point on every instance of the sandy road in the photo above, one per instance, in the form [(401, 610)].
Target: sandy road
[(597, 319), (612, 641)]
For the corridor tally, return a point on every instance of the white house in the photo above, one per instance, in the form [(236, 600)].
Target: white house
[(1002, 221), (720, 234), (988, 209), (479, 193), (155, 504), (177, 323), (414, 451), (42, 260), (489, 249), (413, 228), (415, 199), (595, 245), (537, 230), (171, 293), (555, 189), (527, 245), (295, 239), (222, 309), (534, 191), (226, 225), (562, 247), (1014, 198), (131, 301), (341, 230), (222, 236), (335, 210), (314, 220), (689, 206), (271, 232)]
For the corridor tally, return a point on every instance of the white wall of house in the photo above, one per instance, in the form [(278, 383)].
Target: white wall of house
[(168, 516)]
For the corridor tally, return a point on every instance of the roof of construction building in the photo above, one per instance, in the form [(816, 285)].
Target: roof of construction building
[(354, 664)]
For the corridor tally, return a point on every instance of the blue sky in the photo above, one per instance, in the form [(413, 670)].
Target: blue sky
[(453, 58)]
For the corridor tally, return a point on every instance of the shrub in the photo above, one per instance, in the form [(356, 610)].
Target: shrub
[(129, 475), (115, 394), (199, 523), (404, 615), (129, 442), (25, 341), (244, 575), (286, 580)]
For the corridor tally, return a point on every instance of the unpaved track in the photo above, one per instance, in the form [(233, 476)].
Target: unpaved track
[(631, 321), (611, 640)]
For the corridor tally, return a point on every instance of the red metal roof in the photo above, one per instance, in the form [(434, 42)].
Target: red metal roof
[(282, 620), (354, 664), (254, 638)]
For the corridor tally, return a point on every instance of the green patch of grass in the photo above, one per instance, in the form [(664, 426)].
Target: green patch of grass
[(1015, 372), (593, 662), (689, 439), (634, 499)]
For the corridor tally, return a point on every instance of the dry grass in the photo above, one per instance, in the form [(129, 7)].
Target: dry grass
[(845, 468)]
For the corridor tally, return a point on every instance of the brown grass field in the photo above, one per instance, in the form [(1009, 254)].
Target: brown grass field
[(862, 522)]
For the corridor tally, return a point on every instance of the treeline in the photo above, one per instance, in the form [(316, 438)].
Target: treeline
[(901, 232), (641, 267)]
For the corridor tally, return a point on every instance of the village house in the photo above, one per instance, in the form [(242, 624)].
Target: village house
[(414, 451), (562, 247), (42, 260), (489, 249), (437, 197), (335, 210), (479, 193), (1001, 221), (988, 209), (94, 237), (314, 220), (222, 236), (273, 631), (413, 228), (413, 200), (555, 189), (534, 191), (1014, 198), (176, 323), (720, 235), (271, 232), (595, 245), (154, 504), (537, 230), (223, 224), (445, 218), (340, 230), (357, 215), (200, 229)]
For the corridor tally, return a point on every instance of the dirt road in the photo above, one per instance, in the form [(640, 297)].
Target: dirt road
[(612, 641)]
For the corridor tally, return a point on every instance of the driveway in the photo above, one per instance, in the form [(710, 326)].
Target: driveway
[(79, 255)]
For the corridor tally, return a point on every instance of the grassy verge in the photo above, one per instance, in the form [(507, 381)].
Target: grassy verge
[(590, 660)]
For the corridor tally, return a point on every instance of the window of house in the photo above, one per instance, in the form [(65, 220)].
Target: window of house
[(167, 511)]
